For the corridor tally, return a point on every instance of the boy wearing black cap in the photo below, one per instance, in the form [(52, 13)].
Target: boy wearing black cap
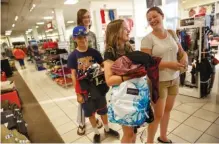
[(79, 61)]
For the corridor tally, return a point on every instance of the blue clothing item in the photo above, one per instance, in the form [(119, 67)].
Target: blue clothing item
[(80, 61), (79, 31), (21, 62), (183, 40), (111, 15)]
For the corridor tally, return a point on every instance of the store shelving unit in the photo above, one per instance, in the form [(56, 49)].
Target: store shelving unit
[(57, 67)]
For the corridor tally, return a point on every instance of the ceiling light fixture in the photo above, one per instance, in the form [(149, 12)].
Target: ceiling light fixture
[(49, 30), (70, 22), (40, 23), (33, 6), (70, 2), (184, 1), (16, 18), (29, 30), (48, 17), (37, 26), (13, 25), (52, 11), (8, 32)]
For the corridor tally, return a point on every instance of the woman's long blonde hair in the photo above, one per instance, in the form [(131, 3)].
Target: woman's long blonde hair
[(113, 32)]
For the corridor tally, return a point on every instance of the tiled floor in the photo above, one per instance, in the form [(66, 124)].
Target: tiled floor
[(192, 120)]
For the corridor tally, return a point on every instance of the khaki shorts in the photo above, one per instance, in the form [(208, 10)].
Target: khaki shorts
[(169, 88)]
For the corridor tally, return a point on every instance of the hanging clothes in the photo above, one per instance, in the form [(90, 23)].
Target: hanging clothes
[(102, 13), (111, 15), (205, 69)]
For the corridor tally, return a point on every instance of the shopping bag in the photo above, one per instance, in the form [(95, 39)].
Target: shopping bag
[(130, 103)]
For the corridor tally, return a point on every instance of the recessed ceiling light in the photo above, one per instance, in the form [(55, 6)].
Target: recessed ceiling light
[(8, 32), (71, 2), (13, 25), (16, 18), (52, 11), (49, 30), (183, 1), (48, 17), (40, 23), (37, 26), (69, 22)]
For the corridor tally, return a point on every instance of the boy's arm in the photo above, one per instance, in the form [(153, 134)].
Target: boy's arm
[(73, 73), (79, 96)]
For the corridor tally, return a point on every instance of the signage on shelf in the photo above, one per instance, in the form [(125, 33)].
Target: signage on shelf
[(187, 22), (49, 25)]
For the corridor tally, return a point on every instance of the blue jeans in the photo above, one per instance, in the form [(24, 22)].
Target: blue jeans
[(21, 62)]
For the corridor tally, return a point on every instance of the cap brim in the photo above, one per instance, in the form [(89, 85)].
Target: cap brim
[(80, 35)]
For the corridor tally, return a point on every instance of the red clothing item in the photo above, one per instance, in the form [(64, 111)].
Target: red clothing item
[(51, 44), (12, 97), (3, 76), (55, 44), (18, 54), (102, 13), (78, 88), (45, 45)]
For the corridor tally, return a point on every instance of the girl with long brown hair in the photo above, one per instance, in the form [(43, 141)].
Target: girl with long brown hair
[(117, 45), (165, 44)]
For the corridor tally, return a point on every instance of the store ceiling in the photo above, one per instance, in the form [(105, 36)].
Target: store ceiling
[(27, 19)]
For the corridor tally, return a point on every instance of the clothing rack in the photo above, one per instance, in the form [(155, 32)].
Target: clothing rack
[(195, 91)]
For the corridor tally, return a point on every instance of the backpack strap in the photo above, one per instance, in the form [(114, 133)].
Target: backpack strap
[(172, 34)]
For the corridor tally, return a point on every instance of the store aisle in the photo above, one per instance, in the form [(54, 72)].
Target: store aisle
[(40, 129), (192, 120)]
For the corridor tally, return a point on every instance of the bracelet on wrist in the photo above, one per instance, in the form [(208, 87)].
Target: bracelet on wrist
[(122, 79)]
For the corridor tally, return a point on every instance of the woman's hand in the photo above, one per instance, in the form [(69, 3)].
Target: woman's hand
[(183, 61), (175, 65)]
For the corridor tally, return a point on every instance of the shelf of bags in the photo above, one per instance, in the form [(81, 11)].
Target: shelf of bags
[(65, 85), (65, 65), (60, 75), (64, 81)]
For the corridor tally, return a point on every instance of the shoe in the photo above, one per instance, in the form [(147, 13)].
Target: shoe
[(81, 130), (96, 138), (112, 133), (99, 124), (161, 141)]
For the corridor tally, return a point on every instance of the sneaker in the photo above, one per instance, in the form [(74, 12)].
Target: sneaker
[(112, 132), (96, 138), (99, 124), (81, 130)]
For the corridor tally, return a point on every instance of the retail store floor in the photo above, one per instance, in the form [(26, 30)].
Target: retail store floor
[(192, 120), (40, 129)]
